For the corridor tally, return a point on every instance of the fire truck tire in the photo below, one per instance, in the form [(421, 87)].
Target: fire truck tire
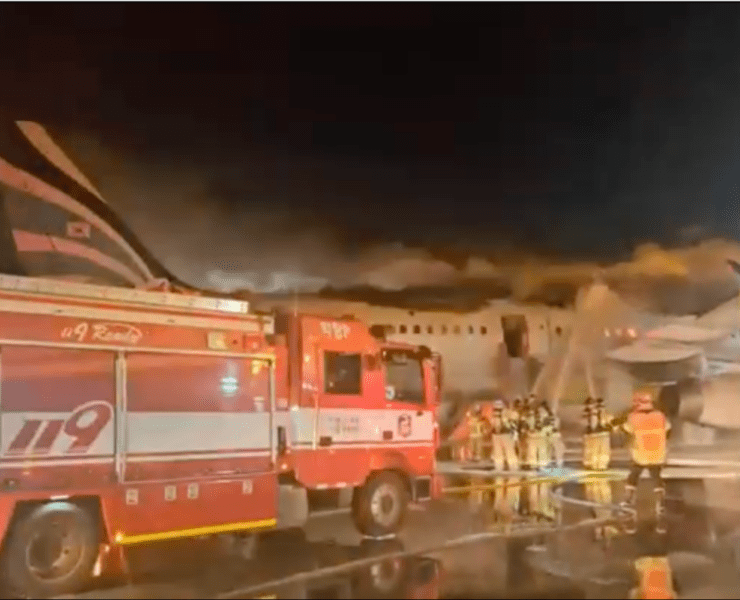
[(51, 551), (379, 507)]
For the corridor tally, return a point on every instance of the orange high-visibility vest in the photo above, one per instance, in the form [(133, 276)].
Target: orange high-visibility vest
[(649, 432), (655, 579)]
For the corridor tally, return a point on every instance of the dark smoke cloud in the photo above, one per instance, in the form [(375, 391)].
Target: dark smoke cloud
[(179, 211)]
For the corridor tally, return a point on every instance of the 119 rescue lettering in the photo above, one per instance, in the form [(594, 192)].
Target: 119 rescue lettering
[(84, 425)]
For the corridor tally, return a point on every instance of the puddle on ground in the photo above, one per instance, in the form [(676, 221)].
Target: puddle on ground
[(570, 556)]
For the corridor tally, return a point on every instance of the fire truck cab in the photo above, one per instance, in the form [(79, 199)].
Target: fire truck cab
[(131, 416)]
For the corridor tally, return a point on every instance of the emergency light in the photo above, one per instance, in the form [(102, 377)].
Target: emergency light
[(229, 386)]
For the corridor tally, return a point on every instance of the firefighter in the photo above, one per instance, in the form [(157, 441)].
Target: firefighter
[(544, 417), (516, 419), (476, 433), (502, 440), (602, 437), (647, 428), (555, 444), (589, 417), (531, 435)]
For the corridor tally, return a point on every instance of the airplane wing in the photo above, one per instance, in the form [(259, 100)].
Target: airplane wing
[(687, 334), (645, 352)]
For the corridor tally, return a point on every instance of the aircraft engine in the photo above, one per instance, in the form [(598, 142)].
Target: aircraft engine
[(689, 394)]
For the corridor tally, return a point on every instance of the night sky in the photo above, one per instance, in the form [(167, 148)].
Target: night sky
[(568, 130)]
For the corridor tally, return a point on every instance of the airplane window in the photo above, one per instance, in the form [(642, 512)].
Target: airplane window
[(515, 330), (402, 329), (471, 329), (444, 329), (417, 329), (483, 330), (430, 329), (558, 330), (456, 329)]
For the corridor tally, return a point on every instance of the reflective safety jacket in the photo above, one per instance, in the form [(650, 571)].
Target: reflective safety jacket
[(476, 426), (554, 424), (655, 579), (603, 420), (545, 420), (530, 423), (591, 419), (648, 431), (500, 423)]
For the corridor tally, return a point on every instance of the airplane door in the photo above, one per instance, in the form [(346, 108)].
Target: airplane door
[(516, 342), (516, 335)]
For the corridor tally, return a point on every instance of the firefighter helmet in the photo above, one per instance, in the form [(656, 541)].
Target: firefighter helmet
[(643, 397)]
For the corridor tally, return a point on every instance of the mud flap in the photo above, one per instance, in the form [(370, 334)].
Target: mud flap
[(292, 507)]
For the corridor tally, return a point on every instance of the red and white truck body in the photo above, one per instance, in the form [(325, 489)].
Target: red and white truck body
[(156, 415)]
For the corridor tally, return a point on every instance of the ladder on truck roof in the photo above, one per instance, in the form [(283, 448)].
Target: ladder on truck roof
[(53, 287)]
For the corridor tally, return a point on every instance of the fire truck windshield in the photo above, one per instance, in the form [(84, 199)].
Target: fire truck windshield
[(404, 379)]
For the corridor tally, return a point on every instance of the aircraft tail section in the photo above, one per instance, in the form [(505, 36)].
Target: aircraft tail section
[(55, 223)]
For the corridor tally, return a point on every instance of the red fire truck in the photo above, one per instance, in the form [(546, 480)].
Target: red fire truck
[(131, 416)]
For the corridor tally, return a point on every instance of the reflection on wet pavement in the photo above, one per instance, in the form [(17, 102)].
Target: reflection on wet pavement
[(506, 539)]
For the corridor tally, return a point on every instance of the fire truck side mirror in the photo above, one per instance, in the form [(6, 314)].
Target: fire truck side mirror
[(378, 332), (371, 362), (424, 352)]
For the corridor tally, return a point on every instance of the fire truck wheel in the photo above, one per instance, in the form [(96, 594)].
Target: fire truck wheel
[(52, 551), (379, 507)]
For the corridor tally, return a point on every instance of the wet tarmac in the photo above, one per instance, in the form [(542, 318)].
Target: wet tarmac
[(510, 540)]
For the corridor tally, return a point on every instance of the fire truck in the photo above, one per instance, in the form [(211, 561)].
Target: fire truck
[(131, 416)]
